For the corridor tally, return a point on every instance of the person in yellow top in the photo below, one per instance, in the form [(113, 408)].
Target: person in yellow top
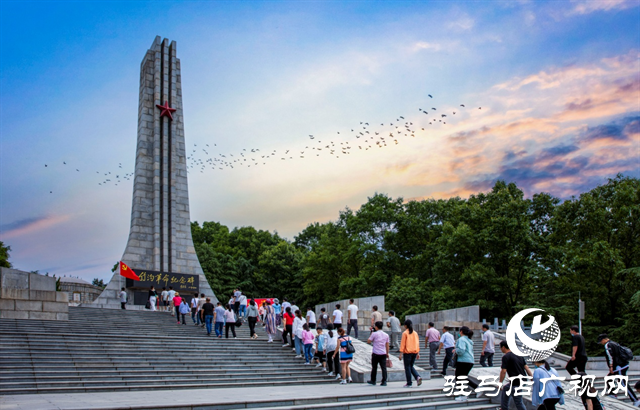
[(409, 352)]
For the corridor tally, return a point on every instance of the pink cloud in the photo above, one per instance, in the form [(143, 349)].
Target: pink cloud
[(32, 225)]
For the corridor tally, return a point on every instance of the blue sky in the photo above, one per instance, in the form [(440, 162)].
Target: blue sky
[(558, 83)]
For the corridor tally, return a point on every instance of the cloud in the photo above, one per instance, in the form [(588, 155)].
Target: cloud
[(623, 66), (423, 45), (462, 23), (590, 6), (570, 167), (31, 225)]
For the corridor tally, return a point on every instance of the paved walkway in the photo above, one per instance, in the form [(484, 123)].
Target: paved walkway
[(195, 397)]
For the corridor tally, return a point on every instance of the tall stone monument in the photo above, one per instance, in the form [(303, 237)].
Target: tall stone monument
[(160, 248)]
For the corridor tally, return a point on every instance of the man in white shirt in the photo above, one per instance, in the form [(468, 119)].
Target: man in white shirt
[(448, 343), (337, 317), (294, 307), (243, 305), (170, 296), (123, 299), (236, 301), (488, 346), (164, 297), (285, 305), (311, 318), (396, 330), (194, 309), (352, 311), (201, 303)]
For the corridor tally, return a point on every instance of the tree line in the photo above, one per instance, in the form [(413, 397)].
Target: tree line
[(497, 249)]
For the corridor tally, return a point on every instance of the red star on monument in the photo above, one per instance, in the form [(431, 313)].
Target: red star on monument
[(166, 110)]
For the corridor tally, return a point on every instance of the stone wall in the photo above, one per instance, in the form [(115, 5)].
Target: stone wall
[(466, 316), (25, 295), (80, 292)]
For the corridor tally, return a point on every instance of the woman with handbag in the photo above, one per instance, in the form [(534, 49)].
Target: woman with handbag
[(409, 352), (552, 388), (345, 349), (463, 357)]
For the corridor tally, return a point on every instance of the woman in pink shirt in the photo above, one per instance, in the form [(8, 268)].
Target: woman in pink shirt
[(176, 303), (307, 340)]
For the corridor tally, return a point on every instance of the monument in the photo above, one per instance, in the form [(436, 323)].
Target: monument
[(160, 248)]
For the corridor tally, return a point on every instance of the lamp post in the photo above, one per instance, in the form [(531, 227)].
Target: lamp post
[(580, 312)]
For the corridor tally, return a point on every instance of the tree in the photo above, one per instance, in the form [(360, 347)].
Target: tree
[(98, 282), (4, 255), (496, 249)]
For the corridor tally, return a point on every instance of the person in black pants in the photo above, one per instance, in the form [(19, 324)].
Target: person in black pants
[(578, 352), (252, 318), (448, 343), (464, 352), (333, 360), (617, 363), (230, 321), (379, 354), (288, 327)]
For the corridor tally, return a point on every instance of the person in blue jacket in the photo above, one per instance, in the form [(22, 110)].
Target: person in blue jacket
[(552, 394)]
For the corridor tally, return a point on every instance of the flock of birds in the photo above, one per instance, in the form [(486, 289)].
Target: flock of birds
[(363, 137)]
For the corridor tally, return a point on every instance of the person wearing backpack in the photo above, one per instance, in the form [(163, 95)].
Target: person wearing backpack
[(618, 358), (552, 388), (345, 349)]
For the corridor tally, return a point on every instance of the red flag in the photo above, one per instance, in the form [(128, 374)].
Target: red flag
[(127, 272)]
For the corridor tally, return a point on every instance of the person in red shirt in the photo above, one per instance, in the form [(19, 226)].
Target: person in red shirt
[(176, 303), (288, 328)]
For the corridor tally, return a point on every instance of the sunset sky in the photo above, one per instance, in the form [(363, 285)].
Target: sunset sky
[(558, 83)]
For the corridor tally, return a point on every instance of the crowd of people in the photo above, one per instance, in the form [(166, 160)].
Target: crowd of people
[(323, 340)]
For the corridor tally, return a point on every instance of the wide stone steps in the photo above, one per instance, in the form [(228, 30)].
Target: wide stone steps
[(90, 388), (427, 400), (414, 399), (111, 350)]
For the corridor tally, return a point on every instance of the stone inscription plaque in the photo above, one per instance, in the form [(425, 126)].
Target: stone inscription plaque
[(181, 282)]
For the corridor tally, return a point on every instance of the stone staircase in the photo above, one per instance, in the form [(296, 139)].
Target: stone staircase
[(425, 399), (101, 350)]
